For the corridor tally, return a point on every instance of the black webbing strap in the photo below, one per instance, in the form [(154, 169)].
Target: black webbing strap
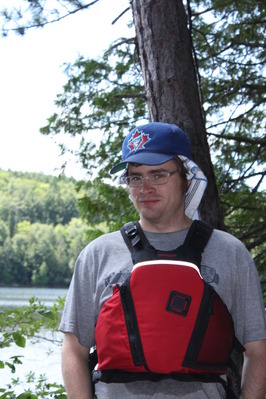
[(196, 241), (133, 235), (194, 244), (198, 235), (137, 243)]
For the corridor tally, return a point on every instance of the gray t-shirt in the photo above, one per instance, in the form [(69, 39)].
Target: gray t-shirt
[(105, 262)]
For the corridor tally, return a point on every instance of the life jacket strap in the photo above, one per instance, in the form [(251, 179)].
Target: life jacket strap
[(191, 250)]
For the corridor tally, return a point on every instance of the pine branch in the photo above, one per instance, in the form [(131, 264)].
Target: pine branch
[(120, 15), (124, 41), (21, 29), (247, 140)]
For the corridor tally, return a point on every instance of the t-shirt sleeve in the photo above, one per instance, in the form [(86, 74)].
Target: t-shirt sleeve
[(237, 282), (254, 322), (248, 301), (78, 315)]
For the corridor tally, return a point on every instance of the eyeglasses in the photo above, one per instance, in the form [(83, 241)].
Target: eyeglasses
[(155, 179)]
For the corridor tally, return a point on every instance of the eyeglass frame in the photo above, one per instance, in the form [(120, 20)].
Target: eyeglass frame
[(125, 179)]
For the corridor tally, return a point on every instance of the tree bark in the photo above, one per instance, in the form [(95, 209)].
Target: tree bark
[(172, 92)]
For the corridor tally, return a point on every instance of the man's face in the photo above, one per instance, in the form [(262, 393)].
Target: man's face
[(160, 206)]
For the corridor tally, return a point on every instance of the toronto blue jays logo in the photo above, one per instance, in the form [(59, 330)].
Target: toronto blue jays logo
[(138, 140)]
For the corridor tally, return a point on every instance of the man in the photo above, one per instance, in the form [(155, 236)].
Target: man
[(166, 188)]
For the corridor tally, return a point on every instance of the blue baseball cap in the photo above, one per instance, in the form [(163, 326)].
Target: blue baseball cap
[(153, 144)]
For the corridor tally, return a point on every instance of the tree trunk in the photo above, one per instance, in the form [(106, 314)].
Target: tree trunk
[(165, 51)]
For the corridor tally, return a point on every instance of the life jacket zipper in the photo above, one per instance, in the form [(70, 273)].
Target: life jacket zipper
[(132, 325)]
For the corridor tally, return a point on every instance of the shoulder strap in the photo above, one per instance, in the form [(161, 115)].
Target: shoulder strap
[(194, 244), (133, 234), (196, 241), (137, 243), (198, 235)]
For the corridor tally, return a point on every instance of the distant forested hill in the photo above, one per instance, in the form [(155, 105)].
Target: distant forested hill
[(41, 232)]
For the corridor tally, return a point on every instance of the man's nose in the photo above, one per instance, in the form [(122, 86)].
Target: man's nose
[(146, 185)]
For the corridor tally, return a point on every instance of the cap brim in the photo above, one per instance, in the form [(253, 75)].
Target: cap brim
[(143, 158), (117, 168)]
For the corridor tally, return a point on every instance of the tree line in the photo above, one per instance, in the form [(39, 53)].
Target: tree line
[(41, 232)]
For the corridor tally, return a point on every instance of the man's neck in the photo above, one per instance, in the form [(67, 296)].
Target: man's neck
[(160, 227)]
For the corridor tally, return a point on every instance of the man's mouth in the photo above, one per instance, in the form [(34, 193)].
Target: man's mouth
[(148, 200)]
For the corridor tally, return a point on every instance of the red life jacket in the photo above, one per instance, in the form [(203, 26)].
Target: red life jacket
[(165, 321)]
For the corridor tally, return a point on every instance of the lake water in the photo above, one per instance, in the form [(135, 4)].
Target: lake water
[(40, 356), (17, 296)]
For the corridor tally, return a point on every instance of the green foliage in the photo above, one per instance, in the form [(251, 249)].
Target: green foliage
[(16, 326), (36, 198), (46, 236), (20, 323)]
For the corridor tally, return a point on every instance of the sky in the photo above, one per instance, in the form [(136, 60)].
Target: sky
[(31, 75)]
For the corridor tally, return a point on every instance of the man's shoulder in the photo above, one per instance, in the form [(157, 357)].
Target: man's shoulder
[(113, 235), (226, 242), (105, 240), (224, 236), (107, 245)]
